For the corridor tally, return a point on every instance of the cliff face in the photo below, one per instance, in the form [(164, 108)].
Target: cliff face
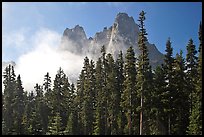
[(120, 36)]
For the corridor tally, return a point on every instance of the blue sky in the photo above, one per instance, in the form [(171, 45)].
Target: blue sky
[(20, 20)]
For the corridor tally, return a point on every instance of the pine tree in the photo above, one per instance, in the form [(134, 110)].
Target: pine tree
[(47, 101), (72, 122), (180, 96), (195, 124), (66, 100), (159, 101), (88, 99), (120, 80), (70, 126), (144, 76), (79, 102), (168, 94), (113, 96), (37, 123), (9, 88), (29, 108), (18, 107), (60, 97), (191, 67), (104, 88), (55, 125), (99, 113), (128, 101)]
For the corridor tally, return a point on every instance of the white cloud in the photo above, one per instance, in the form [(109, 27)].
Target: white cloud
[(45, 57)]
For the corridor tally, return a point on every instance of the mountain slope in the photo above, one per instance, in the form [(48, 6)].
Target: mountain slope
[(120, 36)]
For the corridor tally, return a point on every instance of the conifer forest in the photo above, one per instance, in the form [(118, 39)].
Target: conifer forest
[(122, 96)]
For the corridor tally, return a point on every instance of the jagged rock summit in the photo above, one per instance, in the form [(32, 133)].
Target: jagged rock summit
[(120, 36)]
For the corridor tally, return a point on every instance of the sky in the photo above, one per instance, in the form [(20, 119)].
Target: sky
[(177, 20), (31, 30)]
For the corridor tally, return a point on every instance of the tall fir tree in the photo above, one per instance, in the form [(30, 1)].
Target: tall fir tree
[(180, 96), (19, 107), (195, 119), (113, 96), (129, 97), (191, 68), (60, 96), (72, 122), (55, 125), (168, 94), (47, 100), (159, 101), (79, 102), (88, 99), (9, 89), (144, 76), (120, 80), (37, 121), (104, 88), (99, 127), (29, 109)]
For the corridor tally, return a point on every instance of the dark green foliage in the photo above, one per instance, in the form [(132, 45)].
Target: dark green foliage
[(195, 119), (88, 98), (8, 111), (37, 119), (18, 107), (115, 96), (60, 96), (144, 78), (169, 92), (47, 108), (55, 125), (129, 97), (119, 64), (180, 97), (99, 113), (191, 67), (158, 105)]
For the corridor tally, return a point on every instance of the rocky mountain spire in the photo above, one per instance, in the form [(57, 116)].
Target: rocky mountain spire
[(120, 36)]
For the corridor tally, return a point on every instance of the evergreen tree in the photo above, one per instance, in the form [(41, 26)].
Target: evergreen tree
[(88, 99), (113, 96), (191, 67), (60, 97), (9, 89), (159, 101), (144, 77), (180, 96), (29, 109), (55, 125), (47, 101), (168, 94), (119, 88), (99, 113), (72, 122), (129, 97), (37, 113), (18, 107), (104, 88), (79, 102), (195, 124), (70, 125)]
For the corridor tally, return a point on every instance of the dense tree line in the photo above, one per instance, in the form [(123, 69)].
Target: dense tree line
[(112, 96)]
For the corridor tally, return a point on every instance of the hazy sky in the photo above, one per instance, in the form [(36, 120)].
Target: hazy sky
[(177, 20)]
